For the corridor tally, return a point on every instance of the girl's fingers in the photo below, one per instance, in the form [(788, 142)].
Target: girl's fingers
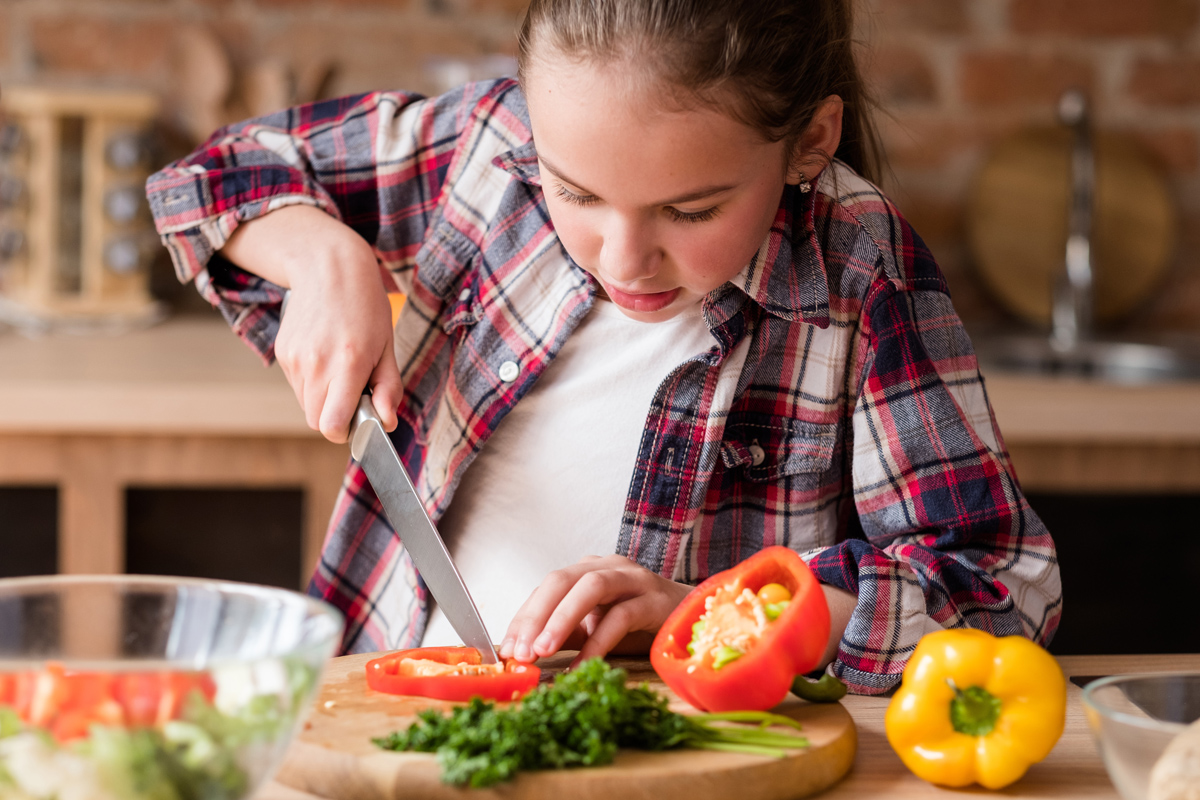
[(595, 589), (386, 389), (614, 625), (591, 621), (341, 401), (294, 377), (531, 618), (314, 400)]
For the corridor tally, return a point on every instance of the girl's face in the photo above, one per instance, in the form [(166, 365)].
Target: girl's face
[(660, 205)]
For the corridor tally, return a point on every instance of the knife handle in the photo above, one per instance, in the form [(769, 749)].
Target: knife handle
[(365, 414)]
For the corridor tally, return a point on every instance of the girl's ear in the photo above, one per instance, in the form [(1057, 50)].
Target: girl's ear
[(818, 143)]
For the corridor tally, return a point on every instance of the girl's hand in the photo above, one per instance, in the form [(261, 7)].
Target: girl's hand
[(596, 603), (336, 338)]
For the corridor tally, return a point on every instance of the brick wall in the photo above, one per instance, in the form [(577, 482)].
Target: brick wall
[(953, 77), (956, 76)]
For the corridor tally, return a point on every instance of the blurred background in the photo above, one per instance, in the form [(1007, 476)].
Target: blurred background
[(1044, 149)]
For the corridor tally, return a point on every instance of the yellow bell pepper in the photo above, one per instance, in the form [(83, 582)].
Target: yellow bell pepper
[(974, 708)]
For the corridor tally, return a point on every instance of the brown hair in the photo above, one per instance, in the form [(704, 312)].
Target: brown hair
[(775, 59)]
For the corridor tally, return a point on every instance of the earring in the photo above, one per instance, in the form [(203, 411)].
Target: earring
[(805, 185)]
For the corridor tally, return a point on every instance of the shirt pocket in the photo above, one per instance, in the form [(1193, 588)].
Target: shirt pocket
[(447, 264), (768, 448)]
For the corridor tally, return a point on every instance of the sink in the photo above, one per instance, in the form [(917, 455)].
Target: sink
[(1107, 360)]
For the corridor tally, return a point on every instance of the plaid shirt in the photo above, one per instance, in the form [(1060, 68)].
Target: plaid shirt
[(839, 412)]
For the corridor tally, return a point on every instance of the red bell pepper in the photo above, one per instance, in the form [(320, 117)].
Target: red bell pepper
[(419, 672), (788, 646)]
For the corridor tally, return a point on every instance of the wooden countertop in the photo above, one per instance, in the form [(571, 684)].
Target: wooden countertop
[(188, 375), (191, 375), (1072, 770), (1043, 409)]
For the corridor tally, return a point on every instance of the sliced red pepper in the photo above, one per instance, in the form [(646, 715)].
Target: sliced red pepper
[(399, 673), (789, 646)]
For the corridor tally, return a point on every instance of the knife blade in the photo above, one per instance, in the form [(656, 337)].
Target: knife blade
[(375, 453)]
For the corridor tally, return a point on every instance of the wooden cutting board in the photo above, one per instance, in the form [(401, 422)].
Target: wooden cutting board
[(333, 756)]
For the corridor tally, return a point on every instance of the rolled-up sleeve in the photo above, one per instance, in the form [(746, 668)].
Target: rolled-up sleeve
[(948, 540), (375, 161)]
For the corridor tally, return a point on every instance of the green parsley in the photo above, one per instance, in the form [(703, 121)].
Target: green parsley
[(580, 720)]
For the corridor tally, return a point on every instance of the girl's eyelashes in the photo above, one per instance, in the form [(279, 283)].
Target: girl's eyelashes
[(692, 216), (577, 199), (568, 196)]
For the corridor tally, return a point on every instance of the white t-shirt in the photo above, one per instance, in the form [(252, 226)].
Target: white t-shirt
[(549, 487)]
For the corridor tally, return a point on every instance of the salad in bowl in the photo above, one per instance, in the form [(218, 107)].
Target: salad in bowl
[(146, 688)]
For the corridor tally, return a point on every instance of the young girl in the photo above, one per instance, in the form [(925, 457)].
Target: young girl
[(657, 320)]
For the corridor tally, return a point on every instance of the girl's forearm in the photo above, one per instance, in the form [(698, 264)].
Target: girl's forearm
[(841, 606), (293, 245)]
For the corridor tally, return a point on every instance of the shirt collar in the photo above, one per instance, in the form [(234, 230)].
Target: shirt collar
[(787, 275), (522, 163)]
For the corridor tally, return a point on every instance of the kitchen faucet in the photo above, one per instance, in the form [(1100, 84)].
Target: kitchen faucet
[(1073, 348), (1071, 315)]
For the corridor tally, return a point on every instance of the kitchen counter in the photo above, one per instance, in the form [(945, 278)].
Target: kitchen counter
[(1073, 435), (186, 404), (1072, 770)]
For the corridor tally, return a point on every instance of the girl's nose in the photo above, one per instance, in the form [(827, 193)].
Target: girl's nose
[(628, 252)]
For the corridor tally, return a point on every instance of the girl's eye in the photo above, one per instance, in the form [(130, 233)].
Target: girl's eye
[(692, 216), (577, 199), (568, 196)]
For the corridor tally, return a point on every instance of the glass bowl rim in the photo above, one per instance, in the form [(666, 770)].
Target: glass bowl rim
[(1129, 719), (315, 606)]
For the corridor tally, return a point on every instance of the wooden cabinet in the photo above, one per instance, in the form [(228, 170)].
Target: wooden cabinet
[(184, 404)]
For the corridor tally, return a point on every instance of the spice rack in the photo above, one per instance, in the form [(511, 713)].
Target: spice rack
[(76, 238)]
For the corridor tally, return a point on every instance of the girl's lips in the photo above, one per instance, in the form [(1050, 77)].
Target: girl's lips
[(645, 303)]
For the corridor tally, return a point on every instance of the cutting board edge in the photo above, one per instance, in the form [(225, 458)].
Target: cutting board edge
[(339, 775)]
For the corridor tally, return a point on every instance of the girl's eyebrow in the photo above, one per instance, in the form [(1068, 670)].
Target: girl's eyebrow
[(699, 194)]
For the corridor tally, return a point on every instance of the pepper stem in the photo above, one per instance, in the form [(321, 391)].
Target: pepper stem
[(974, 710)]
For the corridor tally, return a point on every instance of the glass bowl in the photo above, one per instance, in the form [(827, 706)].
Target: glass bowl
[(131, 687), (1133, 719)]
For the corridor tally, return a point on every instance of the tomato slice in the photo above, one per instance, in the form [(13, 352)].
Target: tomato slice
[(68, 703), (8, 688), (153, 699), (139, 694), (411, 672)]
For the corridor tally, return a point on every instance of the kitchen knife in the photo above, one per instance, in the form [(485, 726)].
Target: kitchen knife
[(375, 453)]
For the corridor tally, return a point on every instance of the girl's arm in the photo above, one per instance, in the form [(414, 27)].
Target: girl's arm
[(948, 539), (337, 336), (373, 168)]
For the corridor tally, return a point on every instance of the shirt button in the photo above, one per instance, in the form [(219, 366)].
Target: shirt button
[(464, 295), (509, 371), (756, 454)]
